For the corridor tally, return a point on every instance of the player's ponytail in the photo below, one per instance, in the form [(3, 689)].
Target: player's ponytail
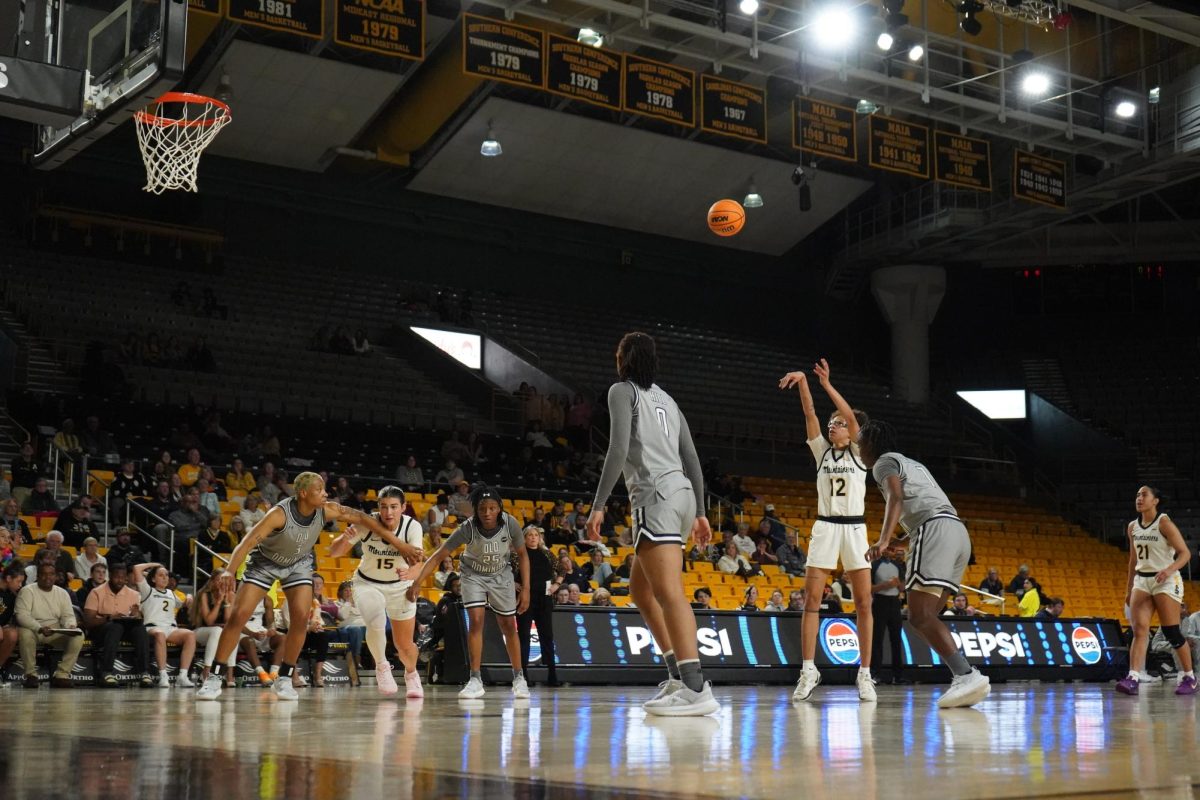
[(637, 359)]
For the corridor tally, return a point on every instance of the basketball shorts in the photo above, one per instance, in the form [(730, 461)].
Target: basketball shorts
[(838, 540), (1172, 587), (396, 604), (668, 520), (263, 573), (166, 630), (496, 591), (938, 556)]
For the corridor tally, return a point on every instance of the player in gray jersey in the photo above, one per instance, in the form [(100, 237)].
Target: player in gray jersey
[(491, 537), (650, 443), (938, 553), (280, 548)]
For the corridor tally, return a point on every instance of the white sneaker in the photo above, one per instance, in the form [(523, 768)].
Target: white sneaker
[(520, 688), (164, 682), (473, 690), (211, 689), (665, 689), (809, 679), (284, 689), (685, 703), (965, 690), (1146, 677), (184, 681), (866, 688)]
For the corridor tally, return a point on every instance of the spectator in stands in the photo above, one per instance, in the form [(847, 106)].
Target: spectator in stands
[(887, 584), (75, 522), (189, 473), (189, 521), (40, 500), (127, 483), (778, 531), (750, 598), (268, 487), (251, 512), (88, 558), (239, 478), (830, 602), (1053, 610), (316, 639), (200, 357), (97, 443), (556, 523), (575, 515), (537, 438), (763, 555), (26, 470), (532, 404), (341, 491), (214, 485), (597, 571), (702, 599), (568, 575), (614, 516), (437, 515), (67, 440), (123, 552), (992, 584), (625, 570), (177, 488), (8, 553), (362, 346), (460, 502), (450, 474), (237, 530), (743, 541), (1031, 599), (12, 578), (352, 629), (574, 594), (10, 520), (960, 607), (97, 577), (791, 558), (579, 422), (554, 416), (734, 563), (215, 539), (42, 609), (602, 598), (282, 488), (562, 596), (410, 477), (454, 450), (776, 602), (796, 601), (162, 504), (61, 558), (1017, 584), (445, 571), (268, 443)]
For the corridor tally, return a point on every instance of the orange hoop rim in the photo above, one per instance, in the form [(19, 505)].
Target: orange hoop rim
[(146, 118)]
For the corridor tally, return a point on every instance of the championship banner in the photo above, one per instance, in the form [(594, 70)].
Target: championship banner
[(301, 17), (212, 7), (662, 91), (963, 161), (1039, 180), (899, 146), (388, 27), (501, 51), (733, 109), (583, 72), (824, 129)]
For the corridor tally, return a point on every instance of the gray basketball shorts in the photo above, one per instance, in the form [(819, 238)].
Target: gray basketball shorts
[(497, 591), (938, 556), (667, 520), (263, 572)]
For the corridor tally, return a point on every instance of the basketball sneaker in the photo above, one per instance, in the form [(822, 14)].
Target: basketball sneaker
[(412, 685), (520, 688), (1187, 685), (164, 682), (384, 680), (183, 680), (809, 680), (211, 689), (473, 690), (686, 703), (866, 688), (1128, 685), (665, 689), (1146, 677), (284, 689), (965, 690)]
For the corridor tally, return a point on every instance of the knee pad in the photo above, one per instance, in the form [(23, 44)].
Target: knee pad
[(1174, 636)]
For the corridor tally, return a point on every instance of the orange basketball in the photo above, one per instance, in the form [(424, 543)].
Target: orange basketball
[(726, 217)]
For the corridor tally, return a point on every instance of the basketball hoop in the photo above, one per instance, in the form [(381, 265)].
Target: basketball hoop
[(171, 143)]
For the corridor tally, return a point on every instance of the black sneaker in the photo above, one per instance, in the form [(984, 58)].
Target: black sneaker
[(148, 681), (110, 680)]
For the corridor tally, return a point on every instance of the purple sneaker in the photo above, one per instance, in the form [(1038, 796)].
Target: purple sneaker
[(1127, 685), (1186, 686)]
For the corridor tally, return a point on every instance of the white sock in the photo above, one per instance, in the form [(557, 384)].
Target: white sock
[(1189, 674), (864, 671), (1137, 676), (163, 673), (809, 664)]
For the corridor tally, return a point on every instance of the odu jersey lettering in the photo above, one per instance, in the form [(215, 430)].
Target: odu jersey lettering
[(841, 480), (653, 463), (486, 555), (296, 539), (1152, 550), (380, 560)]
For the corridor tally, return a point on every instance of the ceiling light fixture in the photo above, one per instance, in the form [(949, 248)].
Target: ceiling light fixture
[(490, 147), (1035, 84), (834, 27), (752, 199), (1125, 109), (1155, 95), (866, 107), (748, 7), (885, 41), (916, 53), (590, 37), (969, 24)]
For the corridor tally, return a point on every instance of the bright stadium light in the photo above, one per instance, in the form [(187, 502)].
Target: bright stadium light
[(885, 41), (490, 147), (916, 53), (1125, 109), (1035, 84), (590, 37), (748, 7), (834, 27), (998, 404)]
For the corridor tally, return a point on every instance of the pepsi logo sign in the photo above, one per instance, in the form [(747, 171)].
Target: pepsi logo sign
[(839, 639), (1086, 645)]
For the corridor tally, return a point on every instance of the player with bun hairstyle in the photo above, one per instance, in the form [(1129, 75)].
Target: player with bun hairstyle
[(1156, 554)]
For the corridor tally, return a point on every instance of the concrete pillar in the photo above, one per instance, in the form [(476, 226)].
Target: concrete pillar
[(909, 296)]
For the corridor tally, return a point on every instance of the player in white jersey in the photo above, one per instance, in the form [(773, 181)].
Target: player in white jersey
[(1156, 554), (280, 547), (159, 609), (649, 441), (379, 592), (840, 532)]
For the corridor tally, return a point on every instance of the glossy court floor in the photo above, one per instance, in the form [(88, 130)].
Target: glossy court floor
[(1026, 740)]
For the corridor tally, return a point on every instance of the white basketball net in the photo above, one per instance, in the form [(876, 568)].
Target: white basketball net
[(171, 144)]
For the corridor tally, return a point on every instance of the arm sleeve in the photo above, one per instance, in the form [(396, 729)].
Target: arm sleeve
[(691, 463), (884, 467), (620, 415)]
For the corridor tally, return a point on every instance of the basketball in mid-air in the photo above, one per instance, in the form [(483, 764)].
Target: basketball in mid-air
[(726, 217)]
